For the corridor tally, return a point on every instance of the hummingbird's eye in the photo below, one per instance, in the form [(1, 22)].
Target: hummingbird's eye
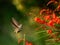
[(18, 31)]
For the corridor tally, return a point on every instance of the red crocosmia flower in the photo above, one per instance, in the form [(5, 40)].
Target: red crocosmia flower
[(39, 20), (47, 17), (54, 15), (50, 23), (58, 21), (42, 22), (49, 31), (55, 19), (30, 43), (27, 43)]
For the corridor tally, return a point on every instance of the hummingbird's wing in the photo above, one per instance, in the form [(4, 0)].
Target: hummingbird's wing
[(20, 26), (15, 23)]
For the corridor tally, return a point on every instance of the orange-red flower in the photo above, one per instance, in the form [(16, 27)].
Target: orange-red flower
[(50, 23), (42, 22), (47, 17), (54, 16), (58, 21), (38, 20), (28, 43), (49, 31), (55, 19)]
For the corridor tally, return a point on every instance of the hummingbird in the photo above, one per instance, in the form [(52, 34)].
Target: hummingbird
[(16, 25)]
